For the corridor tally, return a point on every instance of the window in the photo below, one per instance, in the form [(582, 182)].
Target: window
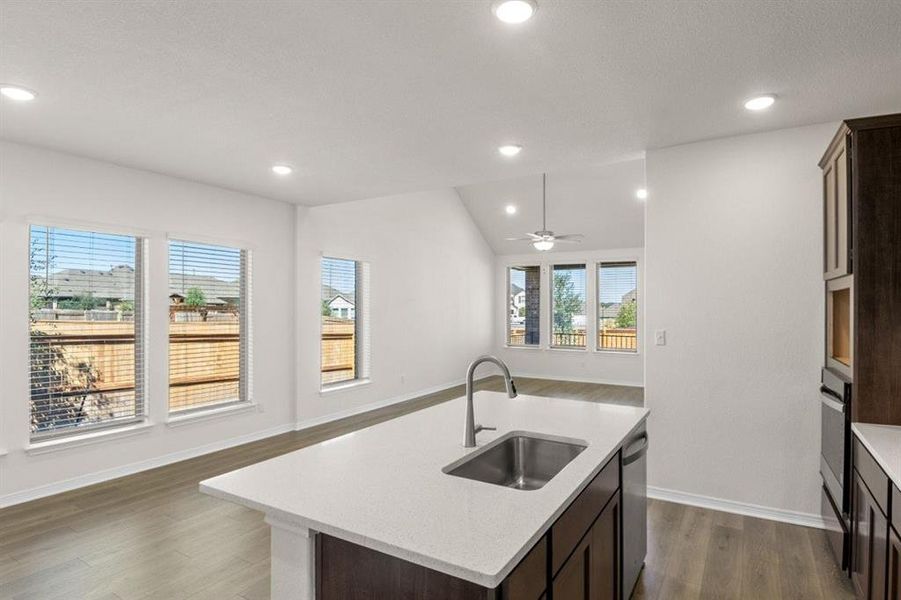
[(618, 306), (86, 330), (209, 322), (568, 306), (523, 306), (344, 335)]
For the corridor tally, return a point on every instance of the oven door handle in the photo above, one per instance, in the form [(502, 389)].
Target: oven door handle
[(833, 404)]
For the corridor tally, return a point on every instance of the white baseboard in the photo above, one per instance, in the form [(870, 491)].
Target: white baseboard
[(600, 380), (739, 508), (371, 406), (130, 469)]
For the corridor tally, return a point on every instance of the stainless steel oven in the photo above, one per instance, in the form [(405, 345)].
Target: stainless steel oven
[(835, 461)]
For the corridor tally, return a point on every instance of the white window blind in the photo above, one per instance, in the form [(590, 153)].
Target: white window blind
[(523, 306), (568, 306), (86, 322), (344, 310), (618, 306), (209, 337)]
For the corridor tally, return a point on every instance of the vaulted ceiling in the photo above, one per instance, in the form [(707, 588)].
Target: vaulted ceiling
[(381, 97)]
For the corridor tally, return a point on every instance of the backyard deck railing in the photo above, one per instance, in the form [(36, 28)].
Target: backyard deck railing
[(623, 339)]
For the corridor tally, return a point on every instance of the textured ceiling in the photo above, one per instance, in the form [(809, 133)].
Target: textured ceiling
[(599, 203), (380, 97)]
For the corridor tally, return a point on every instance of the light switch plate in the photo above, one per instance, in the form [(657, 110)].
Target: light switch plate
[(660, 337)]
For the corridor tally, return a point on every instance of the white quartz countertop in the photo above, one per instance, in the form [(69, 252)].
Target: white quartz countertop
[(884, 443), (382, 487)]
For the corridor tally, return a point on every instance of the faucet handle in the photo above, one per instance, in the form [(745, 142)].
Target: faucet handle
[(484, 428)]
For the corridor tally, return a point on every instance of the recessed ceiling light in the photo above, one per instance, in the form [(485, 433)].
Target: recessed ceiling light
[(760, 102), (510, 209), (282, 170), (510, 150), (514, 11), (641, 194), (15, 92)]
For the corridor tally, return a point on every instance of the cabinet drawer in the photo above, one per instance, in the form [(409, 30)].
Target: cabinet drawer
[(896, 508), (577, 519), (529, 579), (872, 475)]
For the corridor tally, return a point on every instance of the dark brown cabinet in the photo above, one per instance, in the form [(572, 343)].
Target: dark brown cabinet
[(869, 544), (591, 572), (580, 558), (894, 565)]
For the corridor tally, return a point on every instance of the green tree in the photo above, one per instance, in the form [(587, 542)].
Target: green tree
[(195, 297), (626, 317), (325, 310), (567, 302)]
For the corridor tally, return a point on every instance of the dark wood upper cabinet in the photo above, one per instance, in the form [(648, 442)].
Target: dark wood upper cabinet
[(862, 242), (836, 207)]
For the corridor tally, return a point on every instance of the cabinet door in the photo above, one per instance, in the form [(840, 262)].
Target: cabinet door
[(894, 565), (606, 540), (592, 571), (870, 531), (573, 580), (836, 212)]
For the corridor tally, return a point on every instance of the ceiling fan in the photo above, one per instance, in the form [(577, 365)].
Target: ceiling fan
[(544, 239)]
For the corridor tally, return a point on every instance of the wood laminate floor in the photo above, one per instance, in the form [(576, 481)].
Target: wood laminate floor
[(154, 536)]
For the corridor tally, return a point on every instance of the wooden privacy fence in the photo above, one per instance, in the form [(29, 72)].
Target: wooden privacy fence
[(204, 358), (625, 339), (338, 350)]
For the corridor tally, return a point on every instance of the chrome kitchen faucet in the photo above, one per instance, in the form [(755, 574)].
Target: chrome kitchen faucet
[(470, 429)]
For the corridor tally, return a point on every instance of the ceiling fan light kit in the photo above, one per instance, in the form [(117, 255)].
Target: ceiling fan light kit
[(544, 239)]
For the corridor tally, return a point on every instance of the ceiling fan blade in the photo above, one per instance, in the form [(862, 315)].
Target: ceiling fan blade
[(518, 239), (573, 237)]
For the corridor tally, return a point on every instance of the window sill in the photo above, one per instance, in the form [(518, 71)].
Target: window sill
[(341, 387), (523, 347), (214, 412), (567, 349), (615, 352), (94, 437)]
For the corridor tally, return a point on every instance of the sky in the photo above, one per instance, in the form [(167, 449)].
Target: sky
[(340, 274), (73, 249)]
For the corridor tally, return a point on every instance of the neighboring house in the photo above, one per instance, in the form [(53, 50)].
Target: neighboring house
[(517, 303), (341, 307), (612, 311), (118, 283), (114, 285), (341, 304)]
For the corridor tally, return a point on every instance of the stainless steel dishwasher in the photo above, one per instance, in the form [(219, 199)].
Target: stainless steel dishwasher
[(635, 508)]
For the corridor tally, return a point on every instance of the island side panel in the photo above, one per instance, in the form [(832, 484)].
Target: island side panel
[(345, 570), (293, 565)]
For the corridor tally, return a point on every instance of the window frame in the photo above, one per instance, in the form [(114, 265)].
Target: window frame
[(245, 397), (507, 269), (362, 330), (638, 301), (550, 295), (69, 435)]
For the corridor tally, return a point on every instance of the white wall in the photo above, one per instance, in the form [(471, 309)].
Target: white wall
[(64, 188), (733, 255), (431, 282), (620, 368)]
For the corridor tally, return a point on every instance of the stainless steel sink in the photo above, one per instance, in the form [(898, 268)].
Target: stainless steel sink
[(519, 460)]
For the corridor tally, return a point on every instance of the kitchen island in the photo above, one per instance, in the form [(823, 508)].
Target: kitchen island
[(383, 490)]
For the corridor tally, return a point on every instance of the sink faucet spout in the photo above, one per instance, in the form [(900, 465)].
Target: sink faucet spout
[(470, 429)]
